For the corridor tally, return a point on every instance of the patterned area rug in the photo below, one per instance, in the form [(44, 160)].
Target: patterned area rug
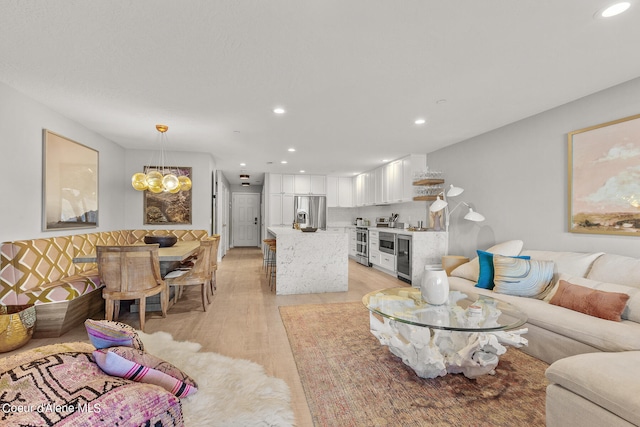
[(351, 380)]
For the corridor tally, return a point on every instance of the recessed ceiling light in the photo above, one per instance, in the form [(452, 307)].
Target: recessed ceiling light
[(244, 176), (614, 9), (284, 162), (279, 110), (302, 171), (385, 160), (420, 121), (291, 149), (243, 164), (245, 184)]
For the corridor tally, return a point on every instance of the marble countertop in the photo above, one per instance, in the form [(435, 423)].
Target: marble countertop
[(396, 230), (288, 230)]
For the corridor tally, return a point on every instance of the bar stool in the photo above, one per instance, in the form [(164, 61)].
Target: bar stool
[(266, 252), (272, 267)]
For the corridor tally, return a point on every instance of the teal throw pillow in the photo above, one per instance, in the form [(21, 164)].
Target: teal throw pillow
[(485, 279)]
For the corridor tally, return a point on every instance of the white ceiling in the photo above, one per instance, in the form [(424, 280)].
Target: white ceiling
[(353, 75)]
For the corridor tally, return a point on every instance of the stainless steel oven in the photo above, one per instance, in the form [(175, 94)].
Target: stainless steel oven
[(362, 245), (403, 257), (387, 243)]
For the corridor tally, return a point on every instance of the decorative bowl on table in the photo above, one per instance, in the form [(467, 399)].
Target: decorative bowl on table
[(165, 241), (308, 229), (17, 323)]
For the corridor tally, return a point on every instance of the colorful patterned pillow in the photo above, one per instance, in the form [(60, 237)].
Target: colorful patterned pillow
[(522, 277), (135, 365), (485, 278), (471, 269), (107, 333), (605, 305)]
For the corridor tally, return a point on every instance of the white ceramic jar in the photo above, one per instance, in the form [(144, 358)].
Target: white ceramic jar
[(435, 285)]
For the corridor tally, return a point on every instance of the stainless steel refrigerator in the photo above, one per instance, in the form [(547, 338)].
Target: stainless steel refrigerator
[(310, 211)]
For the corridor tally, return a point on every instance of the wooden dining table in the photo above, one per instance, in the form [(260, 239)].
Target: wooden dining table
[(169, 257)]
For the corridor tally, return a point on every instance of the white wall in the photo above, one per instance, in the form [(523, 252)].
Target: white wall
[(22, 121), (202, 166), (517, 177)]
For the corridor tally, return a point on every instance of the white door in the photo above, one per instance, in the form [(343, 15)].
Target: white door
[(246, 219), (223, 217), (227, 212)]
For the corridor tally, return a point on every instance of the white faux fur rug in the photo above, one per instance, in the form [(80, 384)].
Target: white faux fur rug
[(231, 392)]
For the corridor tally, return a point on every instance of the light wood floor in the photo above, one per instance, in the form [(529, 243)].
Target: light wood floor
[(243, 320)]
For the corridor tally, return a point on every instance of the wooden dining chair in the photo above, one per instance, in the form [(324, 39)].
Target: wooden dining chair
[(199, 274), (214, 262), (130, 272)]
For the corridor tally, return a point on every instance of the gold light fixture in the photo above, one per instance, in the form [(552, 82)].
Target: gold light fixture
[(160, 178), (244, 176)]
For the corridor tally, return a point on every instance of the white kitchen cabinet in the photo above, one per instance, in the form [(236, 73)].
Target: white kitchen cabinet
[(353, 243), (388, 261), (370, 188), (275, 183), (332, 191), (394, 182), (281, 210), (374, 258), (302, 184), (318, 184), (358, 189), (281, 184), (310, 184), (288, 185), (374, 248), (345, 192), (378, 185), (364, 189), (339, 192)]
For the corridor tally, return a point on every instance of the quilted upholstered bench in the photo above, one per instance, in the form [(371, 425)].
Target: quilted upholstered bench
[(42, 272)]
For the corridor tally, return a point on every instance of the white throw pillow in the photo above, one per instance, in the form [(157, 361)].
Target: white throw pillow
[(471, 269), (572, 263), (616, 269), (632, 309)]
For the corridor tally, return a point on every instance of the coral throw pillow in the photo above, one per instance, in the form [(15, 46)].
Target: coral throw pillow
[(605, 305)]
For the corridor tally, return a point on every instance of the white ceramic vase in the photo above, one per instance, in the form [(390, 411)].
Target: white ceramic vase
[(434, 286)]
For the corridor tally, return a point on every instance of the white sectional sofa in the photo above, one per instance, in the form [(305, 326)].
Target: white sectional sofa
[(595, 362)]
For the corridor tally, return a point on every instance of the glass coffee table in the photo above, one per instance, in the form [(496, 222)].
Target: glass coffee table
[(464, 335)]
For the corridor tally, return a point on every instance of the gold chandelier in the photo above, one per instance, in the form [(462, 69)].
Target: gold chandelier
[(160, 178)]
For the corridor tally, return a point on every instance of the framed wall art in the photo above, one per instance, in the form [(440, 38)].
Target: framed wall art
[(168, 208), (69, 184), (604, 178)]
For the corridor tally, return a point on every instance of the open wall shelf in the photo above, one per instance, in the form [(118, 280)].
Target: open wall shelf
[(427, 182)]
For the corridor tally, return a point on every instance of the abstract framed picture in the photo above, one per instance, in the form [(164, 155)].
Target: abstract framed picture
[(604, 178), (69, 184), (168, 208)]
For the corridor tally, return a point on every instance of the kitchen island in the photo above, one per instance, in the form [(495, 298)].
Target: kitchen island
[(309, 263)]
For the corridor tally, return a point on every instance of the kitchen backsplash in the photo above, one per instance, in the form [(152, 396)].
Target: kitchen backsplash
[(409, 213)]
